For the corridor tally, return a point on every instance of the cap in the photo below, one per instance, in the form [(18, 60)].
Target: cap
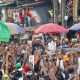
[(26, 69), (65, 58), (18, 65)]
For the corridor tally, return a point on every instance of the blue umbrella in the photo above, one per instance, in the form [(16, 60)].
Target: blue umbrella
[(75, 27), (19, 29)]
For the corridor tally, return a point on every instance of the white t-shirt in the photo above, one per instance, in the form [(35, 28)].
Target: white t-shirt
[(52, 46), (61, 64)]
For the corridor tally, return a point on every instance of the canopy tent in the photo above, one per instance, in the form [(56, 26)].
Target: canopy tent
[(51, 28), (75, 27), (4, 32)]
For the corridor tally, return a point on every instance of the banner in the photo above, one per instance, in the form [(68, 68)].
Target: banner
[(35, 16), (71, 49)]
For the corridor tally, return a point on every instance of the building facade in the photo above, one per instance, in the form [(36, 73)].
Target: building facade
[(19, 10)]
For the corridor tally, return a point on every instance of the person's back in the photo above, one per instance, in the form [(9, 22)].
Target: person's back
[(52, 47)]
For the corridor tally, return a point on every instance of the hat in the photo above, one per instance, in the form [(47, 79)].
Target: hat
[(65, 58), (18, 65), (26, 69)]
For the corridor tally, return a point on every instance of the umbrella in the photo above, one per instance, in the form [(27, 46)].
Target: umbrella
[(51, 28), (4, 32), (15, 28), (75, 27)]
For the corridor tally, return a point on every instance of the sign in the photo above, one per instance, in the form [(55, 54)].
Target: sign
[(35, 16), (71, 49), (31, 60)]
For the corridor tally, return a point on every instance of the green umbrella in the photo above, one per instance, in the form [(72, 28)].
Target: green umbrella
[(4, 32)]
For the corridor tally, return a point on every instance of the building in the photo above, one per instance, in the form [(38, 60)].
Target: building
[(73, 11), (38, 9)]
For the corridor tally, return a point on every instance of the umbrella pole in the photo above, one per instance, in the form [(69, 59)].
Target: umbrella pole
[(44, 39), (51, 36)]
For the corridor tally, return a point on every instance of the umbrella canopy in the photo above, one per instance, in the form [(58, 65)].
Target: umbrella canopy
[(75, 27), (51, 28), (4, 32), (15, 28)]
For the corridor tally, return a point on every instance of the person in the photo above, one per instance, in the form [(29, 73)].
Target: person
[(37, 45), (51, 47)]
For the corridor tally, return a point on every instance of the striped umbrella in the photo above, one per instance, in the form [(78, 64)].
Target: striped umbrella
[(15, 28)]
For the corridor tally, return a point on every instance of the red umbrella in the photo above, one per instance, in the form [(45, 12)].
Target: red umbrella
[(51, 28)]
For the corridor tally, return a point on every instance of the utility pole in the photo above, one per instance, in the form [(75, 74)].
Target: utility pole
[(55, 11), (63, 9)]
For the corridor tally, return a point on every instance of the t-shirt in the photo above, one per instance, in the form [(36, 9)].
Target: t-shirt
[(61, 64), (52, 46)]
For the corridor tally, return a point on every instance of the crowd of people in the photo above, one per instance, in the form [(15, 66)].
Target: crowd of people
[(51, 59)]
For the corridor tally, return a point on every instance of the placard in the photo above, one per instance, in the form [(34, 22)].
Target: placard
[(31, 60)]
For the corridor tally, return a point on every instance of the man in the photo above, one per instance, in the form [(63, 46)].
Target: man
[(37, 45), (51, 47)]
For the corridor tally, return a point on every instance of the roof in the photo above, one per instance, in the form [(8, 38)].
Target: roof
[(33, 3), (5, 4)]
